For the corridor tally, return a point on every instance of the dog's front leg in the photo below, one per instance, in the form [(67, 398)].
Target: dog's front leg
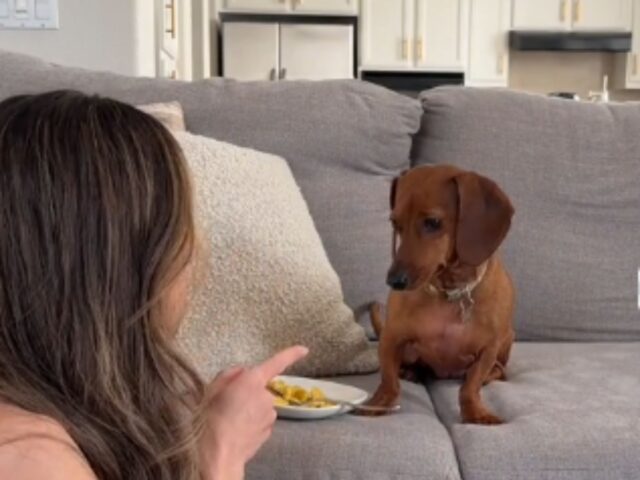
[(390, 352), (471, 406)]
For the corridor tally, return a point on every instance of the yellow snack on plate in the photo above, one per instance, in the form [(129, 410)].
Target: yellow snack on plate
[(296, 396)]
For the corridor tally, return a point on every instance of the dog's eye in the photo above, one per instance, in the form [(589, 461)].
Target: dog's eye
[(431, 225)]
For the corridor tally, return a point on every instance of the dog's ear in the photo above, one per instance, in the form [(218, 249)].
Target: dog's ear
[(484, 218), (394, 190)]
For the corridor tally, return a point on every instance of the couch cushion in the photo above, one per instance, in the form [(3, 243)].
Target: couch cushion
[(344, 141), (572, 170), (572, 413), (409, 445)]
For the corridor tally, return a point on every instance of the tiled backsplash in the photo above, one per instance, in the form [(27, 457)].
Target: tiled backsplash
[(545, 72)]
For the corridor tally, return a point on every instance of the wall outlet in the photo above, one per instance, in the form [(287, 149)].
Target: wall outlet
[(28, 14)]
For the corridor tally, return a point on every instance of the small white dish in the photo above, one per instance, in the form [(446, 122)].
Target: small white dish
[(333, 390)]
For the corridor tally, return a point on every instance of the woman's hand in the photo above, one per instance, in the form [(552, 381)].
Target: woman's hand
[(241, 415)]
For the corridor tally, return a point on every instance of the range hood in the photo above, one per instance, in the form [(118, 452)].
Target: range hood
[(570, 41)]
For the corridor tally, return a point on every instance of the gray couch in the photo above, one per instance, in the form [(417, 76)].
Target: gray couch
[(572, 402)]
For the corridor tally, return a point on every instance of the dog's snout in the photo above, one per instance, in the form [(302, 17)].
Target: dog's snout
[(398, 279)]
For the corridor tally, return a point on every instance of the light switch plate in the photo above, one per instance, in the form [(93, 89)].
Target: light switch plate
[(28, 14)]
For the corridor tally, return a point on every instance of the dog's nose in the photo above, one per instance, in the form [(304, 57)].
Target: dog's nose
[(398, 280)]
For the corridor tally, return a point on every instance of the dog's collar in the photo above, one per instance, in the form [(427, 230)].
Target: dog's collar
[(462, 294)]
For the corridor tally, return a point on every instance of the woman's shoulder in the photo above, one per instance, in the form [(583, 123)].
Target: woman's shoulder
[(35, 446)]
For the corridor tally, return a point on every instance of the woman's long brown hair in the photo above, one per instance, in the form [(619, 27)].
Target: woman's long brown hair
[(95, 224)]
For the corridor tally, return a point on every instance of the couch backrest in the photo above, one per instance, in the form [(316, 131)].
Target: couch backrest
[(572, 170), (344, 141)]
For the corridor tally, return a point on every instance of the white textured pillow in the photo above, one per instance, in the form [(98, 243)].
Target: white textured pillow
[(267, 283)]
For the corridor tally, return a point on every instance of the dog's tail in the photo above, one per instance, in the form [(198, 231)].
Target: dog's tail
[(375, 311)]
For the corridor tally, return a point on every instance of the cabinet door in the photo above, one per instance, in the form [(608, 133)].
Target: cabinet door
[(488, 43), (250, 50), (631, 65), (257, 5), (316, 52), (601, 14), (387, 33), (541, 14), (326, 6), (438, 34)]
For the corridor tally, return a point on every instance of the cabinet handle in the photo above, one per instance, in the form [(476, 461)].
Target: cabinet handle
[(577, 13), (419, 50), (563, 10), (272, 74), (173, 75), (501, 65), (172, 10), (283, 74), (405, 49), (636, 65)]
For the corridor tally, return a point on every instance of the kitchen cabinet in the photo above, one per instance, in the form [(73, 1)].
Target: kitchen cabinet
[(257, 5), (326, 7), (316, 52), (255, 50), (627, 71), (173, 41), (439, 33), (601, 15), (421, 35), (387, 34), (579, 15), (488, 53), (250, 50)]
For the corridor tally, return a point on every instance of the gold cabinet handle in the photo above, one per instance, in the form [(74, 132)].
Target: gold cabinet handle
[(172, 10), (502, 62), (419, 49), (563, 10), (405, 49), (577, 13)]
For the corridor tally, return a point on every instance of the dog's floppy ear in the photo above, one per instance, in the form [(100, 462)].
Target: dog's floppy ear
[(484, 218), (394, 190)]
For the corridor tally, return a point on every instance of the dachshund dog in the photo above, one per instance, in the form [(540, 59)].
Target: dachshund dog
[(451, 304)]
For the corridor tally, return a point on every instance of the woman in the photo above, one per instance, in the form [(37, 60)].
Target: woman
[(96, 244)]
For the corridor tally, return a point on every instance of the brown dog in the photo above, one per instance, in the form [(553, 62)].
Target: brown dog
[(451, 303)]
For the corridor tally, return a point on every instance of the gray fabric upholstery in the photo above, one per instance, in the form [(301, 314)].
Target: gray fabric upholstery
[(409, 445), (572, 413), (344, 141), (572, 170)]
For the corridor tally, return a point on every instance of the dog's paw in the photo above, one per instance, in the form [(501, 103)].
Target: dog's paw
[(381, 400), (481, 417)]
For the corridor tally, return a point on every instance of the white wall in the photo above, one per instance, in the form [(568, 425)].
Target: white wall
[(114, 35)]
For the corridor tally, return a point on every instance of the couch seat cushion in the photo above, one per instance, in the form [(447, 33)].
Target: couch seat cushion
[(408, 445), (572, 412)]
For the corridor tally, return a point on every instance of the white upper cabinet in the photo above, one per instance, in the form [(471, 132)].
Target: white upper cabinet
[(257, 5), (413, 34), (541, 14), (316, 52), (325, 6), (438, 39), (601, 15), (387, 34), (488, 54), (585, 15)]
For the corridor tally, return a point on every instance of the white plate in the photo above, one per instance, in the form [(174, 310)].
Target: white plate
[(333, 390)]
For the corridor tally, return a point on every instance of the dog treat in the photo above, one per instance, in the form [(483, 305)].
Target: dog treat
[(296, 396)]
